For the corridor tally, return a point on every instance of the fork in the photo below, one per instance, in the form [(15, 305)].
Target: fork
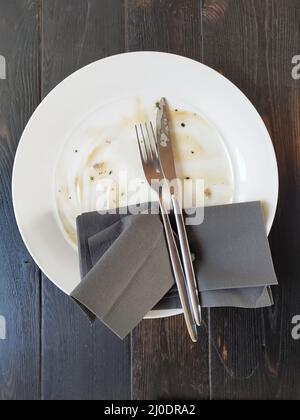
[(154, 175)]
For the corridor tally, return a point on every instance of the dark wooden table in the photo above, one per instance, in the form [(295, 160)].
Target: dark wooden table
[(51, 351)]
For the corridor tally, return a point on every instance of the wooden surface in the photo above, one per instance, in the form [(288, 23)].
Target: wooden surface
[(51, 351), (19, 277), (259, 358)]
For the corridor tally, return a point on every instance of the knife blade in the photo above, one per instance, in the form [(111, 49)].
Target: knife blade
[(165, 148)]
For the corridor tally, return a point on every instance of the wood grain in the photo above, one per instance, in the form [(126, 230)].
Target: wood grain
[(81, 361), (165, 364), (52, 351), (173, 26), (19, 277), (252, 43), (76, 33)]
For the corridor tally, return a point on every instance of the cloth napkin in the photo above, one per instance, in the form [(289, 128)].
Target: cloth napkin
[(126, 270)]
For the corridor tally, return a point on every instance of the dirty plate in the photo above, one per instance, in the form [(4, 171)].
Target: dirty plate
[(83, 134)]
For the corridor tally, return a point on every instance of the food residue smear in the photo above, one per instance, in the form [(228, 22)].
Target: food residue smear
[(96, 156)]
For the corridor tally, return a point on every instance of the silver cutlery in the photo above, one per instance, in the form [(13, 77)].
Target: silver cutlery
[(154, 175), (166, 157)]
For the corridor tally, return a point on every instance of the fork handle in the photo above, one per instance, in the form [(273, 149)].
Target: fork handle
[(179, 275), (187, 261)]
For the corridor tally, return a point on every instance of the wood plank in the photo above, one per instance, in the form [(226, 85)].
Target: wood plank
[(165, 364), (19, 277), (252, 43), (77, 33), (81, 361), (173, 26)]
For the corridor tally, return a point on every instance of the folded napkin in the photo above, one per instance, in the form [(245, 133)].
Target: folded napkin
[(126, 269)]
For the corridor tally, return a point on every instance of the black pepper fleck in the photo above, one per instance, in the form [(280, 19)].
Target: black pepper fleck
[(183, 125)]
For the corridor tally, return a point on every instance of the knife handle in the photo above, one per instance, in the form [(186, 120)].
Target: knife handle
[(179, 275), (187, 261)]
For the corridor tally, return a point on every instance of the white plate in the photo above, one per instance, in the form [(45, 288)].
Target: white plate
[(99, 105)]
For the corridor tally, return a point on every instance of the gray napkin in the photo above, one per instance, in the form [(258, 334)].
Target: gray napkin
[(126, 270)]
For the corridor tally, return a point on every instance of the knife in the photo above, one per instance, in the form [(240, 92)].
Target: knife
[(166, 156)]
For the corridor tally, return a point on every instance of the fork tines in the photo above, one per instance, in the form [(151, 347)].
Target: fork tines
[(147, 141)]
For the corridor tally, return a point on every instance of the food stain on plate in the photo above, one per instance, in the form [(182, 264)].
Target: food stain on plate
[(104, 145)]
